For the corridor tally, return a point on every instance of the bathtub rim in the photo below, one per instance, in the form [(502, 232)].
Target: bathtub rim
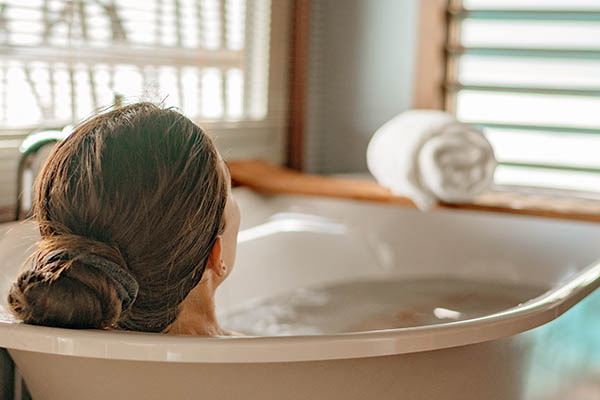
[(138, 346)]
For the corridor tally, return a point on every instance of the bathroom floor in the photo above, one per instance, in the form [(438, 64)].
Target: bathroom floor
[(589, 389), (566, 350)]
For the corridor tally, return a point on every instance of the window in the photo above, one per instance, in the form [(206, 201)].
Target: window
[(528, 73), (221, 62)]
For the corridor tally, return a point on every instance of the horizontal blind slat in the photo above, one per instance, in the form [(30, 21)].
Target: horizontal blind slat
[(559, 167), (532, 72), (528, 109), (591, 92), (583, 35), (544, 178), (525, 14), (457, 49), (543, 148), (537, 128), (584, 5)]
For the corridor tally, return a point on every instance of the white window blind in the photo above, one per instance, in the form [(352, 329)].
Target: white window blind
[(62, 60), (528, 73)]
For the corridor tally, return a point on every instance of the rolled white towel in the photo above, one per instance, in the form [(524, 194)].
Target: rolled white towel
[(427, 155)]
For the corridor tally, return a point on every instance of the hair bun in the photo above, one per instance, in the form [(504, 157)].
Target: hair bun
[(60, 289)]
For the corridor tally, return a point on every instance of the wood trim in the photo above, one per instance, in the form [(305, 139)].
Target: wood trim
[(7, 213), (270, 179), (431, 54), (298, 84), (533, 205), (267, 178)]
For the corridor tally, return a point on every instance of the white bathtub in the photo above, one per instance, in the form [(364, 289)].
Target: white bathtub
[(289, 242)]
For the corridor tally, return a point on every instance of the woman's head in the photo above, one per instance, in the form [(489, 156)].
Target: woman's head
[(141, 190)]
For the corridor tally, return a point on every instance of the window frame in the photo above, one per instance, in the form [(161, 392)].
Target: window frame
[(430, 92)]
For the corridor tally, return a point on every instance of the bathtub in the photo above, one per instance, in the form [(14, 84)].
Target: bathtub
[(537, 350)]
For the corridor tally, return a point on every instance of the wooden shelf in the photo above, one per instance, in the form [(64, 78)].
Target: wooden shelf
[(264, 177)]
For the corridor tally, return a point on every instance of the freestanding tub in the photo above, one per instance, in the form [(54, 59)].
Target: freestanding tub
[(289, 242)]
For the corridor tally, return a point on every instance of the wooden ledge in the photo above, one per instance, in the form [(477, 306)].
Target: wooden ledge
[(7, 213), (272, 179), (267, 178), (264, 177)]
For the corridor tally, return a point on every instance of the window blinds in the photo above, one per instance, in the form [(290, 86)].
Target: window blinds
[(221, 62), (63, 59), (528, 73)]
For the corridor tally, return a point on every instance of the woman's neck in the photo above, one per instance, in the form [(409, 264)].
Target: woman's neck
[(197, 316)]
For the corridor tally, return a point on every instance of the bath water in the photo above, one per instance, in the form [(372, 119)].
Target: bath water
[(373, 305)]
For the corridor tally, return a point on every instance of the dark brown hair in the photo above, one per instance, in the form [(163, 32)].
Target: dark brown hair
[(139, 186)]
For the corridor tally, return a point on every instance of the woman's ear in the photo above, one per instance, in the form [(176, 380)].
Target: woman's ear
[(215, 260)]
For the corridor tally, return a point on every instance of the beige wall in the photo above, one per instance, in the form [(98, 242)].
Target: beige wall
[(361, 73)]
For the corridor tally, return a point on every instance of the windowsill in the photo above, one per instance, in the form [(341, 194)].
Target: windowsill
[(268, 178), (272, 179), (7, 214)]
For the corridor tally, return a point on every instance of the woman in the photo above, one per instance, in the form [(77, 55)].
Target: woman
[(138, 226)]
